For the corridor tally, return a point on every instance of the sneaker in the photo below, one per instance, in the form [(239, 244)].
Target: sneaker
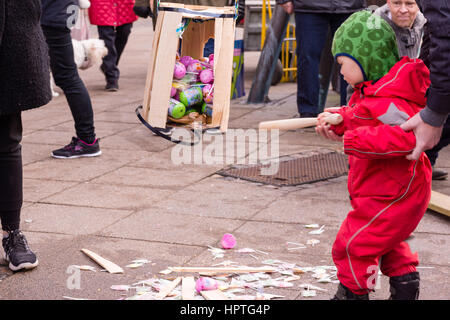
[(112, 86), (78, 148), (439, 174), (18, 253)]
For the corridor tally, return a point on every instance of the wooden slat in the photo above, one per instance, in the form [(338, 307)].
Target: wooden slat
[(163, 71), (440, 203), (213, 295), (188, 288), (216, 270), (108, 265), (167, 289), (151, 67), (223, 71)]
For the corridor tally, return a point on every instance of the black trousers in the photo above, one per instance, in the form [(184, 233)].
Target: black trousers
[(65, 73), (11, 178), (115, 39), (443, 142)]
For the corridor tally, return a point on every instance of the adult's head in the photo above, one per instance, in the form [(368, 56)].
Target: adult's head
[(403, 12)]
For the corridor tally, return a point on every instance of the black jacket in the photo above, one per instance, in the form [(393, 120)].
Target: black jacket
[(326, 6), (24, 61), (59, 13), (436, 51)]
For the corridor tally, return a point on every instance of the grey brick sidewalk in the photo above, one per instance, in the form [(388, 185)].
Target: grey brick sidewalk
[(132, 202)]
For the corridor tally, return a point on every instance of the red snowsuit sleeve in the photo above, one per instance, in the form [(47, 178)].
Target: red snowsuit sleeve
[(381, 142), (371, 129)]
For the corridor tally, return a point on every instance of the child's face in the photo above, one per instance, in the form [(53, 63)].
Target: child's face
[(350, 70)]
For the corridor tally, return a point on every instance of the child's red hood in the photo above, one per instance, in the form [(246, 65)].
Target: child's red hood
[(408, 79)]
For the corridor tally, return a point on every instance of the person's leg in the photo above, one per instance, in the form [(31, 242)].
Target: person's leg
[(439, 174), (10, 171), (311, 32), (399, 265), (376, 227), (66, 76), (109, 65), (335, 22), (122, 34), (14, 242)]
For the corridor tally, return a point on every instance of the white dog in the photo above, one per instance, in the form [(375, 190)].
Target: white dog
[(87, 53)]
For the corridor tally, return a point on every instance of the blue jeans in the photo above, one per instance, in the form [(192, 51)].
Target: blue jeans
[(311, 31)]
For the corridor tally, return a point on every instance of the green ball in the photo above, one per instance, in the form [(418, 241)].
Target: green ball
[(176, 109)]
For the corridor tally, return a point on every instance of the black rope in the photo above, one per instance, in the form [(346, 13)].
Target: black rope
[(200, 13), (158, 132)]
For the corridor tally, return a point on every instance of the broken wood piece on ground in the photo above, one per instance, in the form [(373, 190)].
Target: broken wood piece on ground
[(214, 295), (187, 288), (439, 202), (212, 270), (167, 289), (108, 265)]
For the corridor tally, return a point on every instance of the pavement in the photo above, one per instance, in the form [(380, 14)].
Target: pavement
[(133, 202)]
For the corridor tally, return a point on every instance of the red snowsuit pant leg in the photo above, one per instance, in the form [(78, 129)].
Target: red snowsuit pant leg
[(377, 228)]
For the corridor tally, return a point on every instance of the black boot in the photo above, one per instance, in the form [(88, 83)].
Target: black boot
[(405, 287), (343, 293)]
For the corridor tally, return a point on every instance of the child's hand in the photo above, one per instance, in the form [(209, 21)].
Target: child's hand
[(323, 129)]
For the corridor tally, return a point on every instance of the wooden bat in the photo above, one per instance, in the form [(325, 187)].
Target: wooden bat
[(298, 123)]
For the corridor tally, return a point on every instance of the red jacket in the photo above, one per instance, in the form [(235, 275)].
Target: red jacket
[(111, 12), (373, 139)]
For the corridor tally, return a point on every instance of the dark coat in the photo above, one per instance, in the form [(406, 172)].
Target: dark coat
[(436, 51), (24, 60), (326, 6), (59, 13)]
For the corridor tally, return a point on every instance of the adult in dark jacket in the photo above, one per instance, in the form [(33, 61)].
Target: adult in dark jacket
[(428, 124), (25, 84), (58, 16), (313, 18)]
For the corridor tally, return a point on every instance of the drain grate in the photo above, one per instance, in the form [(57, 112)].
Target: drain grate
[(295, 170)]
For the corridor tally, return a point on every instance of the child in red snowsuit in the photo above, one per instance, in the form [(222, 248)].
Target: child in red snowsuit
[(389, 194)]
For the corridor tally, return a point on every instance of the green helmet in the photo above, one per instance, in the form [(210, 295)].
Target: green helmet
[(370, 41)]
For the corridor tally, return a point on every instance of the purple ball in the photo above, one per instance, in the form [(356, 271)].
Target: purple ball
[(207, 76), (186, 60), (179, 71)]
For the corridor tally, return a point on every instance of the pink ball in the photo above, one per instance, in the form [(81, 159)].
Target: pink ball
[(228, 241), (211, 59), (186, 60), (179, 71), (207, 76), (206, 89), (195, 66), (173, 92), (206, 283)]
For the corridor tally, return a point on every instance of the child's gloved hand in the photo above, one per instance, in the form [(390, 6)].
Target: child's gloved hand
[(143, 12), (323, 128)]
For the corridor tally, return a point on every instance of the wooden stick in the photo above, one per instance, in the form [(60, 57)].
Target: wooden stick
[(108, 265), (223, 270), (298, 123), (213, 295), (440, 203), (188, 288), (167, 289)]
